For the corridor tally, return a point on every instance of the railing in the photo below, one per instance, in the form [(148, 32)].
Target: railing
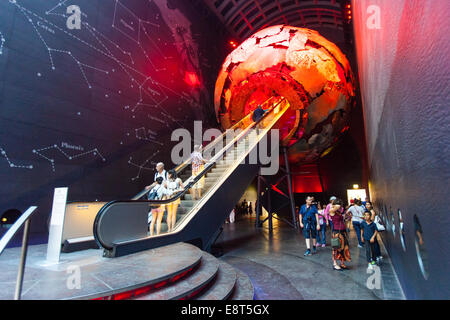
[(24, 218), (210, 145), (210, 163)]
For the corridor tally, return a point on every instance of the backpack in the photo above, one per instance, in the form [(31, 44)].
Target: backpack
[(153, 195)]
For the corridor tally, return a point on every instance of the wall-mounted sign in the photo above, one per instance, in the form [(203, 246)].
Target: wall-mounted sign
[(56, 225)]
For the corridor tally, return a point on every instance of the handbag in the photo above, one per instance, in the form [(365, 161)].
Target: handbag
[(153, 195), (378, 223), (335, 242)]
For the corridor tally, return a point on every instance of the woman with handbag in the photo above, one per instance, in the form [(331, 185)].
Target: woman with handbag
[(339, 240)]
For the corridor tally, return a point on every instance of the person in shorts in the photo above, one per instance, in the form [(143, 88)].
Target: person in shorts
[(309, 221)]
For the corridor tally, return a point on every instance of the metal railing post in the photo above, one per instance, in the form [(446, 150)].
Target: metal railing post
[(23, 258), (258, 202), (291, 192), (269, 207)]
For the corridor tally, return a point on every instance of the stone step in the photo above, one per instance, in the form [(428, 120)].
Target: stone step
[(243, 290), (201, 277), (223, 284)]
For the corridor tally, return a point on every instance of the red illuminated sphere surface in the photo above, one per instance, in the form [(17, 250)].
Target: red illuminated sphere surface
[(301, 66)]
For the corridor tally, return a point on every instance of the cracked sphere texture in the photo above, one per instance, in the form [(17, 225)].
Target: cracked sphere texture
[(303, 67)]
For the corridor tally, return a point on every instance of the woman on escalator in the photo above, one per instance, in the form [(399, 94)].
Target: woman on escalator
[(174, 186), (159, 192), (198, 164)]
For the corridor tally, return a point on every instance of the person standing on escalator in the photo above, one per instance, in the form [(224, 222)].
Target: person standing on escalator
[(160, 172), (258, 113), (198, 165), (159, 192), (174, 185)]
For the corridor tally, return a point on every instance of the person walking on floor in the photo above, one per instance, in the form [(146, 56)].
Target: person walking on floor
[(357, 213), (341, 250), (232, 216), (309, 221), (327, 212), (380, 228), (369, 237), (321, 238)]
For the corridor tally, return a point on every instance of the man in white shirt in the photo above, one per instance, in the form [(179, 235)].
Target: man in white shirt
[(357, 212), (160, 172)]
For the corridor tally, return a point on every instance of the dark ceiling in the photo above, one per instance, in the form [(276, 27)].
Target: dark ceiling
[(244, 17)]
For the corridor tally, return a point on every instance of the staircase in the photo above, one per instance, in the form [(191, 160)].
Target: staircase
[(210, 279)]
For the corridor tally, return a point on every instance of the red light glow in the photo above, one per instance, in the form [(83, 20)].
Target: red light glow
[(191, 79), (233, 44)]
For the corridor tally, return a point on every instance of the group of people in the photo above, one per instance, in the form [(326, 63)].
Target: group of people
[(167, 185), (314, 220), (244, 208)]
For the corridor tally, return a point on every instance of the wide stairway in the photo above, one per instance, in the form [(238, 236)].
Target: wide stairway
[(194, 275)]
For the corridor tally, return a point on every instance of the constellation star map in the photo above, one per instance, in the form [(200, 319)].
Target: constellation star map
[(96, 105)]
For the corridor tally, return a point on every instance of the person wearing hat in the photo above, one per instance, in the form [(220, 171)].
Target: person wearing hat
[(327, 212)]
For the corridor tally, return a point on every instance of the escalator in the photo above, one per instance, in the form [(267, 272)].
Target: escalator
[(121, 226)]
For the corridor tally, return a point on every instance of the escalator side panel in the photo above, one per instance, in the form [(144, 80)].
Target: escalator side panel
[(207, 220), (112, 228)]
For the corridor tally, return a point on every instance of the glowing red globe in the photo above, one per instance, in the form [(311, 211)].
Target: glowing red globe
[(303, 67)]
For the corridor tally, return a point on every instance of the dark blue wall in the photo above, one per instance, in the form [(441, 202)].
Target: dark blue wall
[(93, 109), (404, 77)]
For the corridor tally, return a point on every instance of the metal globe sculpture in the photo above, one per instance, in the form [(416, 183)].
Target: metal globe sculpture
[(301, 66)]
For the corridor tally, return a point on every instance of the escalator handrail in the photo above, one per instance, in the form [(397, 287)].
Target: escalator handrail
[(193, 181), (208, 147), (202, 173)]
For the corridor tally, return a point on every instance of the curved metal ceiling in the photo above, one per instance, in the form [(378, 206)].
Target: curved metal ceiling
[(244, 17)]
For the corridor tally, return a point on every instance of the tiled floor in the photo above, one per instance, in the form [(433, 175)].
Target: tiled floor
[(278, 269)]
